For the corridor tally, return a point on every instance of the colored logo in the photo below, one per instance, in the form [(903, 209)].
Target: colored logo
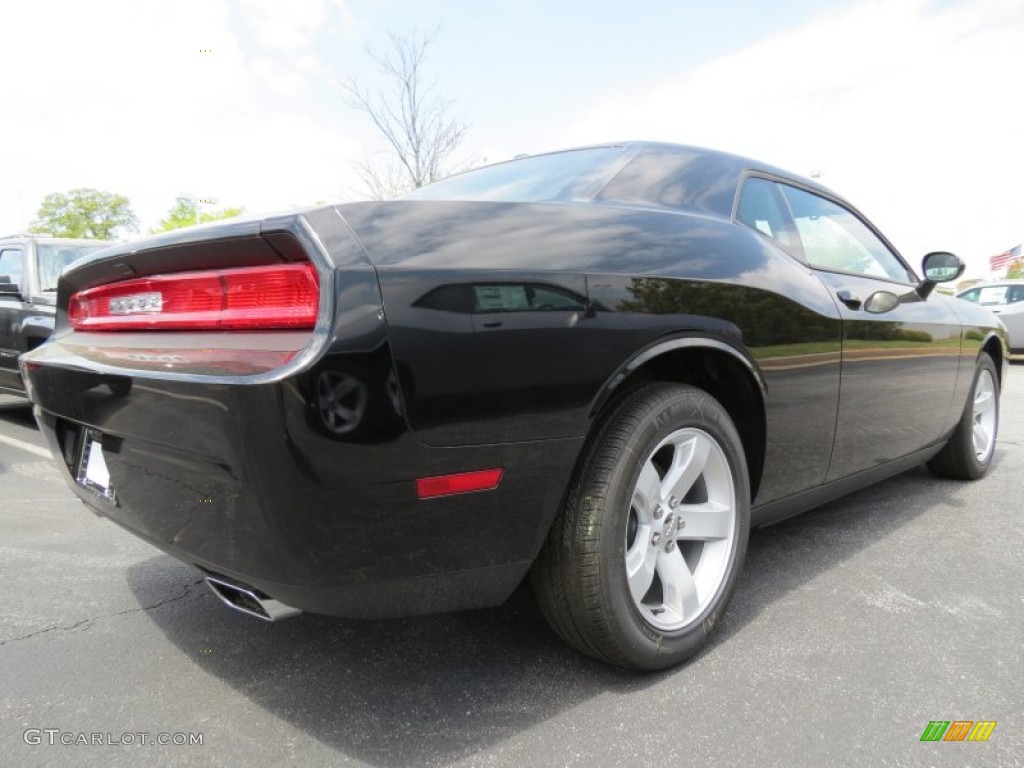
[(958, 730)]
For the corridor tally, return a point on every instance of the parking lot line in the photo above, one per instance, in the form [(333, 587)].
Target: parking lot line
[(26, 446)]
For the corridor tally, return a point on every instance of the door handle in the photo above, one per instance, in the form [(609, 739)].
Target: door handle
[(492, 324), (849, 299)]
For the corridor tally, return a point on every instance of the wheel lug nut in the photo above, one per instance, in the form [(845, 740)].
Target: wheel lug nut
[(670, 546), (673, 502), (655, 538), (658, 511)]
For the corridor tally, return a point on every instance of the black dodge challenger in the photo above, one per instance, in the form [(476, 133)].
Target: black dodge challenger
[(597, 368)]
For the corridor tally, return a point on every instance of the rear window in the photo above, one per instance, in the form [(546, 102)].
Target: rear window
[(556, 177)]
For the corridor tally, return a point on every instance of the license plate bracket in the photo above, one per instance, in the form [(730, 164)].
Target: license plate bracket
[(91, 471)]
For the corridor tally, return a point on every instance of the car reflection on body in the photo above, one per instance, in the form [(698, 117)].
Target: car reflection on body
[(595, 368)]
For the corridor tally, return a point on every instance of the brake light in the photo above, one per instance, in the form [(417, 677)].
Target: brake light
[(254, 298)]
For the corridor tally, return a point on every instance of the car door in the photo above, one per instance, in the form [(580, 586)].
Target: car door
[(899, 367), (12, 266)]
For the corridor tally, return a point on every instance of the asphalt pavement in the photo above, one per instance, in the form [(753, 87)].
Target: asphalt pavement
[(854, 626)]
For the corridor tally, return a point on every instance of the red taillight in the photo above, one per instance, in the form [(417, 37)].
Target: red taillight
[(464, 482), (254, 298)]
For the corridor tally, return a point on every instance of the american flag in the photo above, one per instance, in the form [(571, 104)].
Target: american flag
[(1004, 259)]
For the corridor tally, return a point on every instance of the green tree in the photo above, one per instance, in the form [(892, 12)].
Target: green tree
[(1016, 269), (86, 213), (183, 214)]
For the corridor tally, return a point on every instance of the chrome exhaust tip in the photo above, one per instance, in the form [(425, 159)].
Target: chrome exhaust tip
[(250, 601)]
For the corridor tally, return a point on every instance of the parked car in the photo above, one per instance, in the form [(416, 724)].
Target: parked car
[(596, 367), (29, 268), (1005, 298)]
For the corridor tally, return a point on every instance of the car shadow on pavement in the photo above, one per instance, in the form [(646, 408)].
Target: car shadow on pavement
[(398, 692), (437, 689)]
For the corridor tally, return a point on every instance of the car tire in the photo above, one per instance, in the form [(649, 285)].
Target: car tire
[(968, 453), (645, 554)]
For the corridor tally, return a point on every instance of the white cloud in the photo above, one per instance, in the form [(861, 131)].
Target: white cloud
[(912, 112), (284, 25), (150, 100), (282, 78)]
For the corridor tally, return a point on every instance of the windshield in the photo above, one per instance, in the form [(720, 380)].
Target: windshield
[(543, 178), (51, 258)]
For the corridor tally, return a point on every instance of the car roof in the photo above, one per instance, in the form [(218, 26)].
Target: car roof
[(714, 171), (735, 163)]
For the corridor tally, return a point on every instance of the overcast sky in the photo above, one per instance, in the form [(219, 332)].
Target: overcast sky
[(911, 109)]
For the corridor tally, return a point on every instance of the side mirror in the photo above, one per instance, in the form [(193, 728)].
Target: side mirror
[(938, 267)]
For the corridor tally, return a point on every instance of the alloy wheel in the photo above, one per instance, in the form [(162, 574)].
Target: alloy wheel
[(681, 529), (985, 415)]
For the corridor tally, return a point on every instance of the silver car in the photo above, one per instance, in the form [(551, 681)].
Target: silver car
[(1006, 299)]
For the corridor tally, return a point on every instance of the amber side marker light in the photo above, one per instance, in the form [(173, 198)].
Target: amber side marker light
[(464, 482)]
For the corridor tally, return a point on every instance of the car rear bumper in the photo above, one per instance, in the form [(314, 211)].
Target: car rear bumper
[(247, 481)]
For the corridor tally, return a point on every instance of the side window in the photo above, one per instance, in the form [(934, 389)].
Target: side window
[(12, 262), (1016, 294), (971, 295), (833, 238), (762, 209)]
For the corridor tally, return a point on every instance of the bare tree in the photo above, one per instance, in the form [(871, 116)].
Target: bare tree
[(416, 122)]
